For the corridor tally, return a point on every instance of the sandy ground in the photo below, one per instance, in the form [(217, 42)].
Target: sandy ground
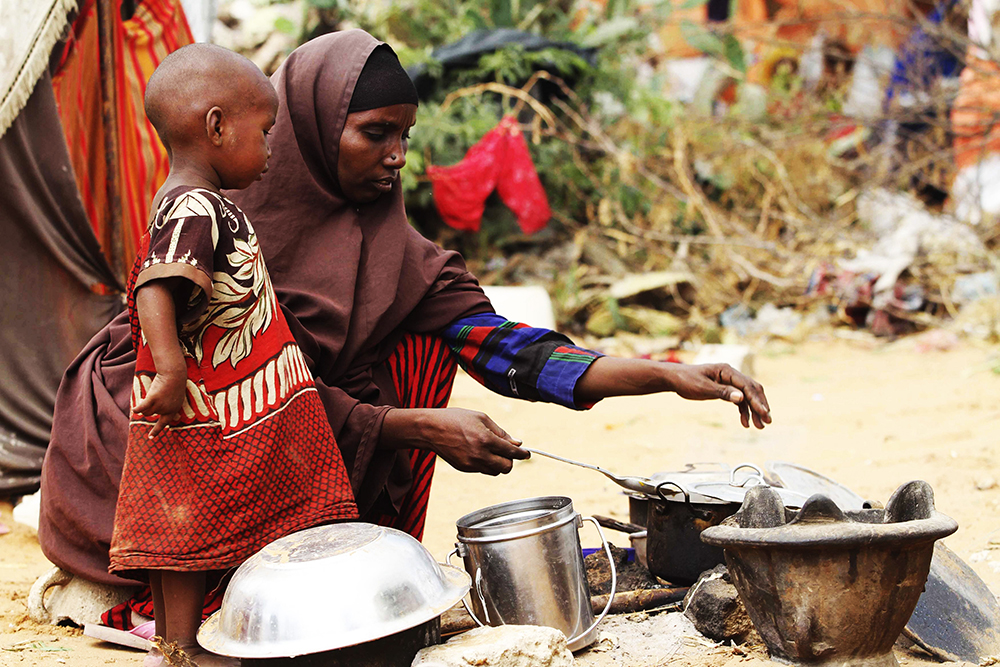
[(871, 416)]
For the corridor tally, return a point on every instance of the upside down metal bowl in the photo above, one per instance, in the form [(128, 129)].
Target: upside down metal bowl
[(327, 588)]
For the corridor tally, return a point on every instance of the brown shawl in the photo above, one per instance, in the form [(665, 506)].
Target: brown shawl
[(351, 280)]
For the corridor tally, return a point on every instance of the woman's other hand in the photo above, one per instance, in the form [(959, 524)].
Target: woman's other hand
[(468, 440), (611, 376)]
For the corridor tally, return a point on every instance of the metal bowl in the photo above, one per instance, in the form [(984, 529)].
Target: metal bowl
[(330, 587)]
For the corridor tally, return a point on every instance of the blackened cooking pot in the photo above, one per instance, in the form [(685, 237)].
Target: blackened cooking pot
[(674, 550), (686, 503)]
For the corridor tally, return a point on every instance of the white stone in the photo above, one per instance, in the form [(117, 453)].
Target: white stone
[(986, 483), (505, 646), (529, 304), (738, 356), (72, 598), (26, 512)]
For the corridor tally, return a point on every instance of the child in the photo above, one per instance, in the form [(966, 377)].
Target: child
[(229, 445)]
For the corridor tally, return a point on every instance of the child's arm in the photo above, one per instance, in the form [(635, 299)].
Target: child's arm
[(154, 302)]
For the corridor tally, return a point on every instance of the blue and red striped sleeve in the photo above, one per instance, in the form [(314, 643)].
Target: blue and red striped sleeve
[(517, 360)]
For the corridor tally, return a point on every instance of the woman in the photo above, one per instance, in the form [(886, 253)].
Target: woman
[(380, 313)]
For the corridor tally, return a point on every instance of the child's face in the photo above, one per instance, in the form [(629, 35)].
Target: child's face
[(244, 147)]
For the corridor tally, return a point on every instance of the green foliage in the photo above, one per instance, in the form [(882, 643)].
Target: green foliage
[(726, 47)]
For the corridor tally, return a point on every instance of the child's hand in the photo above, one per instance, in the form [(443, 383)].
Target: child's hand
[(164, 400)]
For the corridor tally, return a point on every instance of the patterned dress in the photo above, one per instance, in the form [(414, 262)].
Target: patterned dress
[(252, 457)]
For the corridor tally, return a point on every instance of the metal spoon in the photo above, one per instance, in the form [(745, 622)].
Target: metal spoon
[(630, 482)]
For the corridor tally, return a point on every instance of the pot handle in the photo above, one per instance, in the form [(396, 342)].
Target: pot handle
[(476, 584), (759, 477), (614, 581), (698, 513)]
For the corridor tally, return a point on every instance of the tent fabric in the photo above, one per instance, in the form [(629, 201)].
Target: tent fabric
[(59, 288), (51, 263), (24, 52), (157, 28)]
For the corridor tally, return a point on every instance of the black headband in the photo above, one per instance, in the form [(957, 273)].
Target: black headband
[(382, 83)]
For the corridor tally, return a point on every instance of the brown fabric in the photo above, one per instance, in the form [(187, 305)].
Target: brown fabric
[(83, 463), (351, 281), (50, 261), (355, 276)]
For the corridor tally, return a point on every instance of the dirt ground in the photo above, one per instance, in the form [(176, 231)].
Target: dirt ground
[(869, 415)]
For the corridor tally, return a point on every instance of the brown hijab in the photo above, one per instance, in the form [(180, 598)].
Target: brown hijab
[(352, 278)]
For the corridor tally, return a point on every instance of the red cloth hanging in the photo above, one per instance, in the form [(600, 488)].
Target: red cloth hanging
[(501, 161)]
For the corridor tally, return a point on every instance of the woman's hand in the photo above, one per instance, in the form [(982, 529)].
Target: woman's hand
[(468, 440), (610, 376), (164, 399), (708, 381)]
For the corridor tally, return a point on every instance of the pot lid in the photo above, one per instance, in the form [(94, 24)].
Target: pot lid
[(727, 492), (808, 482), (695, 474)]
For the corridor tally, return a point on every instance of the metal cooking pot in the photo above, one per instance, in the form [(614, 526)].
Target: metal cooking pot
[(674, 550), (675, 516), (527, 567), (332, 587)]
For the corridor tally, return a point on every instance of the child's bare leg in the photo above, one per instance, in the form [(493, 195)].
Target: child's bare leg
[(159, 613), (183, 597), (154, 658)]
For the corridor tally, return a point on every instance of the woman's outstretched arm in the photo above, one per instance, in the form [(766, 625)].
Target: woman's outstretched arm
[(610, 376)]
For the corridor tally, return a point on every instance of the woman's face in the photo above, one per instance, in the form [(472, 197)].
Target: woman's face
[(373, 150)]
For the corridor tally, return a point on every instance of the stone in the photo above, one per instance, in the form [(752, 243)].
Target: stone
[(986, 483), (505, 646), (739, 357), (72, 598), (715, 608)]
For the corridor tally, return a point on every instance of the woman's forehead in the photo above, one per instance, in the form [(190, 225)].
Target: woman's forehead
[(403, 115)]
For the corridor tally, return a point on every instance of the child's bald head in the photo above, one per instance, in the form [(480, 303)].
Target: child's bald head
[(192, 80)]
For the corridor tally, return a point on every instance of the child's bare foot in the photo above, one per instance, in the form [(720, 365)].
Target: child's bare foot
[(203, 658), (154, 658), (184, 654)]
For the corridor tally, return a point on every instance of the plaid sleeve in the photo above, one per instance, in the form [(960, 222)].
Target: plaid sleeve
[(519, 361)]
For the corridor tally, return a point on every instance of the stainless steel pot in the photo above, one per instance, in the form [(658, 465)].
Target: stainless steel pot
[(328, 588), (527, 567)]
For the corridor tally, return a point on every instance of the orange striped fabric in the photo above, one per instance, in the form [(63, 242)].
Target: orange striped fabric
[(157, 28)]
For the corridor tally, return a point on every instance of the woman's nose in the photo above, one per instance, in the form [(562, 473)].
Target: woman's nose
[(396, 158)]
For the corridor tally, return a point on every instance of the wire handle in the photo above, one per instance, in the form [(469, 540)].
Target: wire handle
[(614, 581), (478, 578), (759, 477)]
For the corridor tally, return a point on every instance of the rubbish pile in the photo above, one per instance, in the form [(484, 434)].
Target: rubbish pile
[(735, 190)]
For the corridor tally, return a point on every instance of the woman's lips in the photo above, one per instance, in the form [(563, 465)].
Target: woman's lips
[(383, 184)]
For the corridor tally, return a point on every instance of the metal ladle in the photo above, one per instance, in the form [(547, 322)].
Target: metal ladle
[(630, 482)]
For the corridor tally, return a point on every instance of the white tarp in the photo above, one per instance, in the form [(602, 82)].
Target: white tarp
[(200, 17), (28, 31)]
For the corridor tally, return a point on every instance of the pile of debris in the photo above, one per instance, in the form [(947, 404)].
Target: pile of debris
[(748, 218)]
